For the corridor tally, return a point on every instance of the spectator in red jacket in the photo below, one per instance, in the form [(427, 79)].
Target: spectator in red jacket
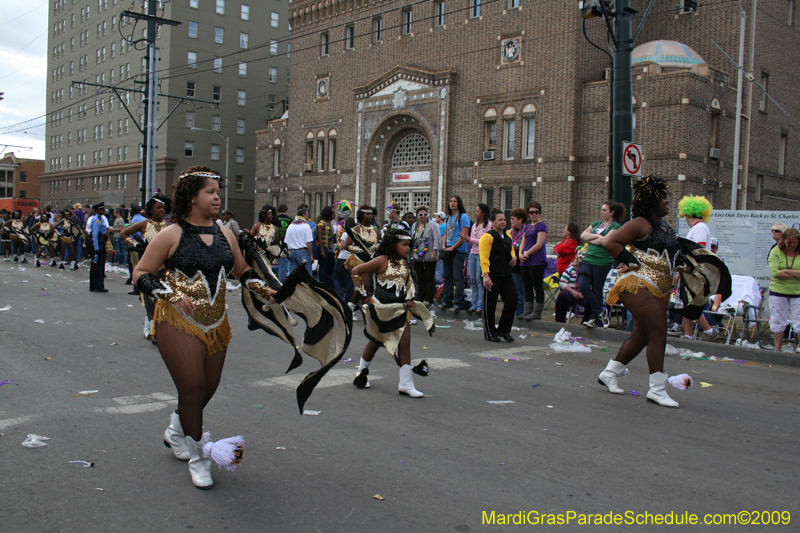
[(566, 249)]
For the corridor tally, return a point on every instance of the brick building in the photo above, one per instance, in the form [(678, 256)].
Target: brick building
[(230, 55), (503, 102), (19, 178)]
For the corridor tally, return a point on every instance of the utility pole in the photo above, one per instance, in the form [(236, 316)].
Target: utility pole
[(150, 99)]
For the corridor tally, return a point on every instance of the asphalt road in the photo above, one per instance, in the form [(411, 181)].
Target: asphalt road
[(443, 463)]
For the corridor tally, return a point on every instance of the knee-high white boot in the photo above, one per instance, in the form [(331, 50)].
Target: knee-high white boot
[(199, 464), (658, 390), (175, 439), (406, 386), (362, 381), (147, 326), (608, 377)]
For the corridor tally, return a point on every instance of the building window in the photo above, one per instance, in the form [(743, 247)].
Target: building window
[(407, 19), (242, 98), (507, 201), (513, 4), (320, 155), (509, 136), (243, 70), (239, 183), (377, 30), (759, 187), (190, 86), (275, 20), (276, 160), (309, 154), (488, 196), (188, 149), (490, 135), (193, 30), (216, 122), (240, 126), (190, 119), (23, 177), (762, 99), (782, 154), (215, 152), (273, 47), (332, 154), (273, 75), (713, 130), (475, 8), (218, 65), (240, 154), (440, 11), (219, 34), (192, 63), (220, 7), (790, 12), (244, 40), (528, 136), (216, 93), (324, 44), (245, 12), (349, 37)]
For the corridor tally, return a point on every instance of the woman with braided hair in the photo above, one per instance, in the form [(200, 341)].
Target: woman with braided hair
[(388, 311), (646, 247)]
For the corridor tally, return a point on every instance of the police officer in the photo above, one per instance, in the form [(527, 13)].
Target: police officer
[(99, 238)]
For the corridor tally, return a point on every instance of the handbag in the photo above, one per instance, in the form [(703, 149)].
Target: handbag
[(447, 255)]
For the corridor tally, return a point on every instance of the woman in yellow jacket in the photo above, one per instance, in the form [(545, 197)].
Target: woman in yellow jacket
[(497, 258)]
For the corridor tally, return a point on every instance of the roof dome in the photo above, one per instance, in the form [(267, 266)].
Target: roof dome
[(667, 54)]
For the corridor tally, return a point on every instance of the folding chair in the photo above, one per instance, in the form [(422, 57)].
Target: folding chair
[(610, 311), (551, 289)]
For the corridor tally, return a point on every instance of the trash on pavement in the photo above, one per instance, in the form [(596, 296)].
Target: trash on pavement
[(35, 441), (569, 347), (311, 413), (39, 321), (634, 392), (378, 497), (85, 464), (469, 325), (6, 308), (500, 402), (562, 336), (703, 384)]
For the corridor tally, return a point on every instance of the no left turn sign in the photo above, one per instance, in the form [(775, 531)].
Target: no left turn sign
[(631, 159)]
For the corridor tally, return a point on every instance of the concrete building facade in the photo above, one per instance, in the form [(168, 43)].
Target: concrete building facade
[(506, 102), (229, 55)]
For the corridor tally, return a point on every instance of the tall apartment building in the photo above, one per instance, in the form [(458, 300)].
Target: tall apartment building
[(231, 54), (505, 102)]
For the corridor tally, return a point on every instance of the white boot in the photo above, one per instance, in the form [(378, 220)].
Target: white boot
[(353, 308), (146, 327), (658, 390), (74, 265), (199, 464), (175, 439), (406, 386), (608, 377), (361, 381)]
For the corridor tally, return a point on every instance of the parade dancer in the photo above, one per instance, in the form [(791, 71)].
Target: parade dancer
[(649, 251), (267, 235), (69, 231), (388, 312), (361, 242), (46, 238), (190, 313), (155, 210), (19, 235)]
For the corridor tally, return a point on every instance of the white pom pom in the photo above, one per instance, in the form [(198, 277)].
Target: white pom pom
[(682, 381), (227, 453)]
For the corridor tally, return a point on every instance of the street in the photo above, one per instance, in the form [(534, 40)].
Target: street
[(561, 443)]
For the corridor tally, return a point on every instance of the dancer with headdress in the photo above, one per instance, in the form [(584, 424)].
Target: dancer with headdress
[(46, 238), (155, 210), (191, 317), (70, 230), (388, 312), (267, 235), (19, 235), (361, 242), (697, 211), (650, 251)]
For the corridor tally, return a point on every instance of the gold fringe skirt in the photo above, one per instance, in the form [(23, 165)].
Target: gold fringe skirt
[(215, 339), (654, 275), (358, 282)]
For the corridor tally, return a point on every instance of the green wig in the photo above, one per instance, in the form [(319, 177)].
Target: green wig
[(696, 207)]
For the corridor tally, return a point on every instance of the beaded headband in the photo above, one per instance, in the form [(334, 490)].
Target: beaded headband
[(204, 174), (157, 200), (404, 237), (369, 211)]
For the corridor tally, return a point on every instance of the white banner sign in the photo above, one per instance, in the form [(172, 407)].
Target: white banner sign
[(745, 238), (407, 177)]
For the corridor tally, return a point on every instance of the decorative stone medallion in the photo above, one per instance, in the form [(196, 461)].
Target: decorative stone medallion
[(399, 99), (510, 50)]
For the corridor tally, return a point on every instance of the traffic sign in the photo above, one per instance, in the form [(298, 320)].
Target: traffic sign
[(631, 159)]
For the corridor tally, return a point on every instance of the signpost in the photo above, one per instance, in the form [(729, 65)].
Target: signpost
[(631, 159)]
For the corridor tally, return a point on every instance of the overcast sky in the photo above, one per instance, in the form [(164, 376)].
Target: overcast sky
[(23, 76)]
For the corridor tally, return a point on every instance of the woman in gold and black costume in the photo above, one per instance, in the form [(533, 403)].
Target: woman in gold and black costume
[(46, 238), (361, 242), (70, 229), (19, 235), (267, 235)]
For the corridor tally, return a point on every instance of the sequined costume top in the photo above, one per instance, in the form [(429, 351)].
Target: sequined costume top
[(391, 284), (152, 229), (368, 233), (198, 270), (267, 234), (656, 254)]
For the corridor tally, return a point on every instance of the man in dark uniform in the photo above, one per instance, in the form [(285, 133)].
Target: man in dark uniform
[(99, 238)]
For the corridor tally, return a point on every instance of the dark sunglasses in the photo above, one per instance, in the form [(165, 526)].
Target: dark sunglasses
[(776, 231), (533, 212)]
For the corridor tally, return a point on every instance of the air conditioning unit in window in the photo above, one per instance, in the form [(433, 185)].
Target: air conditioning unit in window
[(488, 155), (308, 167), (713, 153)]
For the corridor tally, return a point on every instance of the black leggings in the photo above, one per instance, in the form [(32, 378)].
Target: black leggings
[(533, 281)]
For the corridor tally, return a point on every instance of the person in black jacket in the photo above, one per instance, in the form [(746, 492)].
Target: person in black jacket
[(497, 258)]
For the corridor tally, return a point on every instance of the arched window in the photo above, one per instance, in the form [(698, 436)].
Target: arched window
[(413, 151)]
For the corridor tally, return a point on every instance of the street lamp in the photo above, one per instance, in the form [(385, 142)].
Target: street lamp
[(226, 158)]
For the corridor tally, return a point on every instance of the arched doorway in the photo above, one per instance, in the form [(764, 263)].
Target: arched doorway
[(407, 171)]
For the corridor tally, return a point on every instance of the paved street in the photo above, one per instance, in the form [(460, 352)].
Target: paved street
[(563, 444)]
